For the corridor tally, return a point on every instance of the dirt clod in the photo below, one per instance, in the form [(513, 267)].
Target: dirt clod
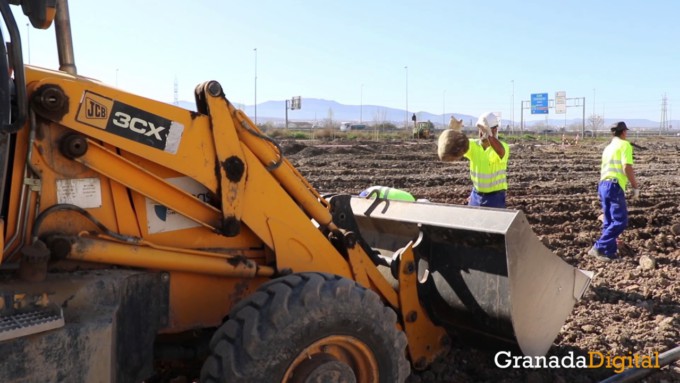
[(647, 262)]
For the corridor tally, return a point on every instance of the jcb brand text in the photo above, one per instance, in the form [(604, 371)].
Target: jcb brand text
[(137, 125), (95, 110)]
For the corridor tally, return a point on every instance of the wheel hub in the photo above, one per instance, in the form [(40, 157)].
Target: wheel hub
[(334, 359), (323, 369)]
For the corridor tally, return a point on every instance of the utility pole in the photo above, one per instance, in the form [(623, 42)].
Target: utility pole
[(444, 109), (175, 92), (255, 50), (513, 106), (521, 116), (28, 41), (594, 119), (406, 115), (583, 121), (663, 126), (361, 105)]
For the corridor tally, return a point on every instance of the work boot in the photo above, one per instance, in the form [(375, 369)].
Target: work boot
[(595, 253)]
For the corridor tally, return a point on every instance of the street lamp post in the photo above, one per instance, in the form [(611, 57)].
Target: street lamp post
[(361, 105), (443, 109), (594, 120), (406, 116), (255, 50), (513, 106), (28, 42)]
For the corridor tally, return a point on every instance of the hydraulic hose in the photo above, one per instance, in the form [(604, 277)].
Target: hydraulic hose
[(68, 207), (17, 65)]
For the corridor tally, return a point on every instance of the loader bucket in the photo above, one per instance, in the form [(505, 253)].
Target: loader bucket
[(482, 271)]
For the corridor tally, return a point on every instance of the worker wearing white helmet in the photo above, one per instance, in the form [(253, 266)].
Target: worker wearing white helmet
[(488, 164)]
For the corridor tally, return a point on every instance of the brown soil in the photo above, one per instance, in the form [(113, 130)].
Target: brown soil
[(628, 308)]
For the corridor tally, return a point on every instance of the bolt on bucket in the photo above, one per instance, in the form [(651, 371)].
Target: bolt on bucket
[(482, 271)]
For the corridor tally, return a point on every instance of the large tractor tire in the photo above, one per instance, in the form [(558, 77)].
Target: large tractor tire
[(308, 327)]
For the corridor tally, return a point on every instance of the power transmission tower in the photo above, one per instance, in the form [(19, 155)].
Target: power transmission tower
[(176, 93), (663, 126)]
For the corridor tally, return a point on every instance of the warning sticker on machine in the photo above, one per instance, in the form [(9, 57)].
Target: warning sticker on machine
[(129, 122), (83, 192), (161, 219)]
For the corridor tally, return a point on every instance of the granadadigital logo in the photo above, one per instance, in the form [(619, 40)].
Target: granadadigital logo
[(594, 359)]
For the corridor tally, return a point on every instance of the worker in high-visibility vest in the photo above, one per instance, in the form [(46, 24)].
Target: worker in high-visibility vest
[(488, 164), (615, 174)]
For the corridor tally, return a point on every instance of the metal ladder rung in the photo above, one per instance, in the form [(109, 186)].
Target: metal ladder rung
[(30, 322)]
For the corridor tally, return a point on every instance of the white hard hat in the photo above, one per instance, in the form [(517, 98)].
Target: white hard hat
[(488, 120)]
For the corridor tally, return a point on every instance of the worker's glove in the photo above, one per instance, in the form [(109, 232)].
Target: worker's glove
[(486, 132), (635, 193)]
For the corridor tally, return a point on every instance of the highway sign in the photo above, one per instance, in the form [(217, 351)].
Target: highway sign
[(561, 102), (539, 103)]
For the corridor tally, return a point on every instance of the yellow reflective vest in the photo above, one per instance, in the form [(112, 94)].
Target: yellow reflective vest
[(615, 157), (487, 170)]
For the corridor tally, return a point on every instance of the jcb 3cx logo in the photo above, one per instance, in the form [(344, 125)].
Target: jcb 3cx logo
[(137, 125), (129, 122), (93, 109)]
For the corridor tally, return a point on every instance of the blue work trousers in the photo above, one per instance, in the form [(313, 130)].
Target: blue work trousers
[(494, 199), (615, 216)]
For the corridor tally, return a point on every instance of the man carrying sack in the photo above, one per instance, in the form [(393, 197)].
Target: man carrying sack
[(488, 160)]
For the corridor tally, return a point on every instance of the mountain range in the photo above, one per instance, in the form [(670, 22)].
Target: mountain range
[(318, 111)]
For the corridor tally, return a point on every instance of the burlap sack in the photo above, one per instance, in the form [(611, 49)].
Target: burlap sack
[(452, 145), (456, 125)]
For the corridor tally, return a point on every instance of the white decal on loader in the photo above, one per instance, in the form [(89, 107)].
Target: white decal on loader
[(174, 137), (82, 192), (160, 219)]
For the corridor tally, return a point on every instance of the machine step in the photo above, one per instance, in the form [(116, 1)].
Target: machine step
[(35, 320)]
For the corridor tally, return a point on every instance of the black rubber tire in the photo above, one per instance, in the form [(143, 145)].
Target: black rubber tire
[(269, 329)]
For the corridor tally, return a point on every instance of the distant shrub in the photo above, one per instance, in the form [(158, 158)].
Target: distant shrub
[(323, 134), (299, 135), (384, 126), (275, 133), (386, 131)]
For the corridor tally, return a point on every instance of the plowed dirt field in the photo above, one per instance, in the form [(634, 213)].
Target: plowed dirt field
[(629, 308)]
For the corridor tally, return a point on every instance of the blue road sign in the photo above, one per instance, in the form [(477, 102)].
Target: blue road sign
[(539, 103)]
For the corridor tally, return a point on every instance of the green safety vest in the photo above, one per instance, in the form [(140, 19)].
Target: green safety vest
[(615, 157), (487, 170), (385, 192)]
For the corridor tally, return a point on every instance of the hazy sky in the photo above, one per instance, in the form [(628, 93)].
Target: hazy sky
[(461, 56)]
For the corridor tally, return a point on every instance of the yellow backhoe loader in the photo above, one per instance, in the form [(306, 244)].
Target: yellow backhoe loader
[(142, 241)]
